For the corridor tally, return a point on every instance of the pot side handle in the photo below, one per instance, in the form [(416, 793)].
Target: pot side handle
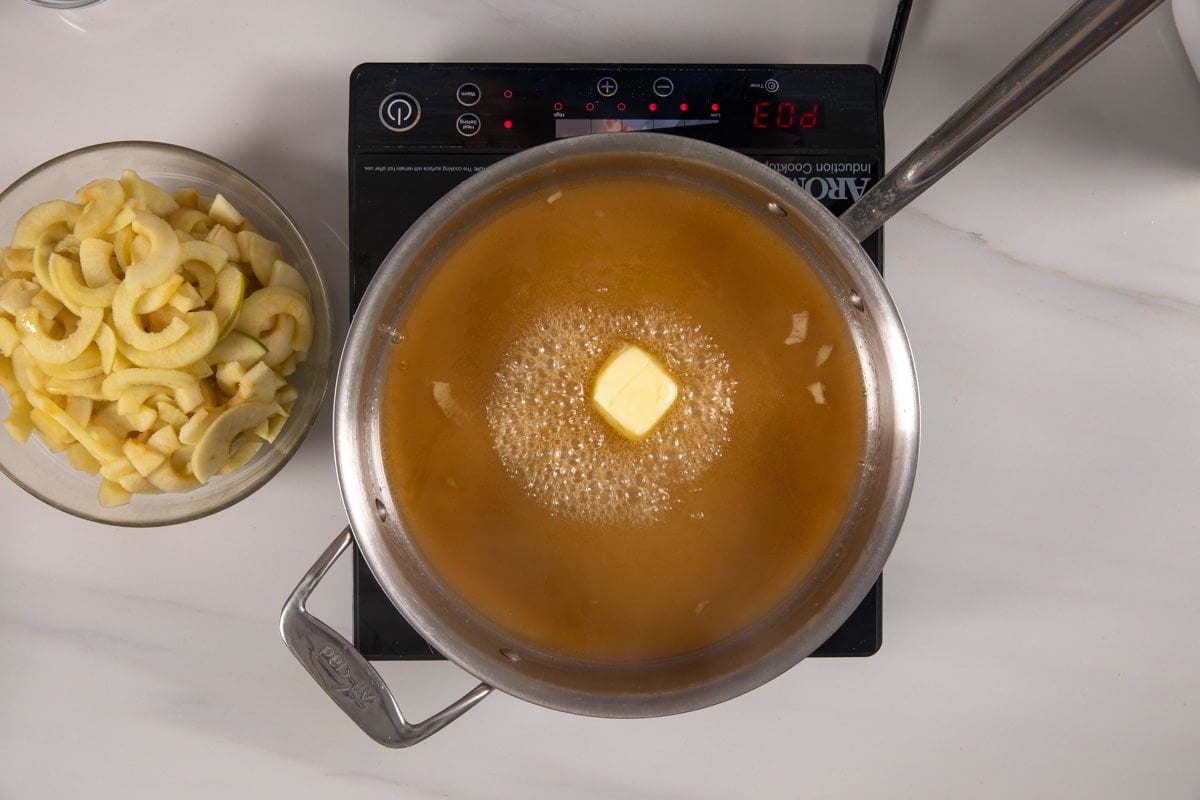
[(346, 676)]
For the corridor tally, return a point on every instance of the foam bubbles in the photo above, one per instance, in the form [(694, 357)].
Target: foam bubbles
[(564, 454)]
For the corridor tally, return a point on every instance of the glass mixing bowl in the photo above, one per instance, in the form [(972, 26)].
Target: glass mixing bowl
[(47, 475)]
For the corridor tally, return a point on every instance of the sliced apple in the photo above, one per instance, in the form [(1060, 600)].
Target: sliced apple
[(9, 337), (229, 298), (186, 197), (81, 459), (60, 351), (229, 376), (191, 347), (168, 479), (192, 430), (75, 387), (163, 257), (260, 252), (192, 221), (106, 343), (56, 437), (123, 247), (97, 446), (86, 365), (96, 258), (130, 328), (145, 195), (170, 414), (223, 212), (119, 383), (239, 347), (284, 274), (246, 449), (102, 199), (62, 214), (69, 279), (136, 484), (112, 494), (186, 298), (143, 458), (47, 307), (80, 409), (207, 252), (16, 294), (42, 250), (19, 424), (225, 239), (278, 341), (157, 297), (17, 260), (26, 372), (260, 309), (258, 385), (213, 448), (165, 440)]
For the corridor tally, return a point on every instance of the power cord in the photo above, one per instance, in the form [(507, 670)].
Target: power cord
[(903, 8)]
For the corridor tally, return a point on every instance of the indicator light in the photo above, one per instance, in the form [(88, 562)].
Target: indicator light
[(590, 106), (715, 106), (654, 106), (620, 106), (508, 123), (683, 106), (508, 94), (558, 106)]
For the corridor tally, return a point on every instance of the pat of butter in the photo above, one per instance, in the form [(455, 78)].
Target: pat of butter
[(633, 391)]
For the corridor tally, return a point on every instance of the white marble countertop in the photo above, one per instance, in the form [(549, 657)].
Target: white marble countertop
[(1041, 607)]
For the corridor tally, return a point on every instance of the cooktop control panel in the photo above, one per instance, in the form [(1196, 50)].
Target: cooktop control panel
[(510, 107)]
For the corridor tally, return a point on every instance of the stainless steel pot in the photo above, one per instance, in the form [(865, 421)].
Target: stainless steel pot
[(816, 608)]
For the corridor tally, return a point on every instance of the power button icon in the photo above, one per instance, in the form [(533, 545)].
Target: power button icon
[(399, 111)]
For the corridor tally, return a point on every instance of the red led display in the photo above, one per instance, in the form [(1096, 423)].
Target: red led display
[(785, 115)]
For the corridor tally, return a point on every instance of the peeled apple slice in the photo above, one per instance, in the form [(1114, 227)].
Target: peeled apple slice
[(230, 294), (129, 327), (163, 258), (60, 351), (212, 450), (260, 309), (284, 274), (191, 347), (145, 194), (42, 216), (102, 200), (73, 291)]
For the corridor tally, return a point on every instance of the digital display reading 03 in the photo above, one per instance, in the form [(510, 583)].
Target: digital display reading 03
[(786, 115)]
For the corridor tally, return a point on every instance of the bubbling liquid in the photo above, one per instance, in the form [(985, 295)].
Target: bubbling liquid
[(524, 503), (566, 456)]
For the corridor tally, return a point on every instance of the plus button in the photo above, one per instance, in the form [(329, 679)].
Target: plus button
[(607, 87)]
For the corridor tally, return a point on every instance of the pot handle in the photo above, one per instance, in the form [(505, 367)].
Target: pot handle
[(1083, 31), (346, 676)]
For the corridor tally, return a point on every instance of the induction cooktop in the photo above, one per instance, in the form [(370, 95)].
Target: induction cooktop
[(418, 130)]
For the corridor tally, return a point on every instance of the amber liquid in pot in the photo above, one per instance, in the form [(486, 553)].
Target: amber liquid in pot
[(730, 545)]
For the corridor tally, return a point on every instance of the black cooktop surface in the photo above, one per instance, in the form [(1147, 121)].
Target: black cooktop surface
[(418, 130)]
